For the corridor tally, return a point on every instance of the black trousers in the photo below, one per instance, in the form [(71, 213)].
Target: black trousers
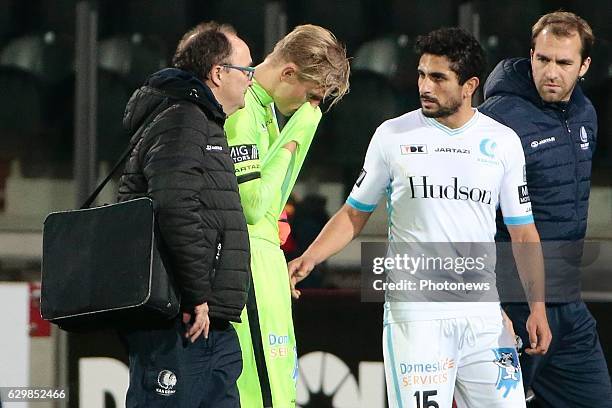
[(573, 373), (167, 370)]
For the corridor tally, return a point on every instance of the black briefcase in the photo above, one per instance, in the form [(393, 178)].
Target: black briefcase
[(102, 268)]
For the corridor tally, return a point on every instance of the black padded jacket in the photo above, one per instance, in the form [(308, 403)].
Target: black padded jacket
[(181, 160)]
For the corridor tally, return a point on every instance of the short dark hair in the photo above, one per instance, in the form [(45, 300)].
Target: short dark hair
[(466, 56), (202, 47), (565, 24)]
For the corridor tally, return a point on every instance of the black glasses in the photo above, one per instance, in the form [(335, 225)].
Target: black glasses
[(248, 71)]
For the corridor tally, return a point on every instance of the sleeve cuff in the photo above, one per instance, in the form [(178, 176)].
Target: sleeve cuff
[(360, 206), (248, 177), (525, 219)]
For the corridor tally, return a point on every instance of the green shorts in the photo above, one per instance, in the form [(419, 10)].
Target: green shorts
[(266, 334)]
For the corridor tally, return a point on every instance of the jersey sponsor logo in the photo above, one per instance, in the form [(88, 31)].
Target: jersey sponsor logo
[(279, 346), (584, 138), (538, 143), (166, 381), (523, 194), (509, 374), (413, 149), (247, 168), (487, 147), (452, 150), (426, 373), (214, 148), (360, 178), (242, 153), (422, 188)]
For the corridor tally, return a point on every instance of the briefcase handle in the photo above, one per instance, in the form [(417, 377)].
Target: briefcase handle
[(145, 124)]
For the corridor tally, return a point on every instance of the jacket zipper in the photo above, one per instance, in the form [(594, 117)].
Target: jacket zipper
[(573, 148)]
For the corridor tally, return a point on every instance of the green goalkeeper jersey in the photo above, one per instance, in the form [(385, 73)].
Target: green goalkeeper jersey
[(265, 171)]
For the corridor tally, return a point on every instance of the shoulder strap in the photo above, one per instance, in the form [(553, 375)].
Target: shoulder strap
[(155, 114)]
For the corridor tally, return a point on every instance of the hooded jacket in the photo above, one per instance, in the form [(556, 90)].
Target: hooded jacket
[(181, 160), (558, 140)]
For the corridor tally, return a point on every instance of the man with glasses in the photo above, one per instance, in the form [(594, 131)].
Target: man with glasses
[(305, 68), (181, 160)]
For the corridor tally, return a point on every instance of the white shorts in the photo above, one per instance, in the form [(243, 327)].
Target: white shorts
[(472, 358)]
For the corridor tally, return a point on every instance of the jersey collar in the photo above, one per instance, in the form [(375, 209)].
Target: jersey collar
[(449, 131), (260, 93)]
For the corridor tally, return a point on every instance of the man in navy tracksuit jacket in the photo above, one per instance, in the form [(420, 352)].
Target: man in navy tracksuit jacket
[(557, 124)]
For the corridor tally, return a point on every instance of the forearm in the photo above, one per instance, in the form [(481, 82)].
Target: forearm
[(302, 126), (339, 231), (529, 260)]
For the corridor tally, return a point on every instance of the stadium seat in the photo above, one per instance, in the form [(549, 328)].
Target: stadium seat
[(133, 57), (381, 55), (48, 56), (393, 57)]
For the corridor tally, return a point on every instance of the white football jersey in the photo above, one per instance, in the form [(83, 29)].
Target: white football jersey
[(442, 184)]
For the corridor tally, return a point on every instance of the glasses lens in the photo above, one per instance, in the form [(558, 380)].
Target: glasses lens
[(248, 71)]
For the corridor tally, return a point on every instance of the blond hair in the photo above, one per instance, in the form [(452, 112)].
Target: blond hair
[(565, 24), (320, 58)]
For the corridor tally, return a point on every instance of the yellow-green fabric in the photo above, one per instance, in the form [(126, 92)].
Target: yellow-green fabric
[(277, 335), (266, 175)]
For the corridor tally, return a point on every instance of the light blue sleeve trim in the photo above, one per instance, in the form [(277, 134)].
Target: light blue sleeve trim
[(360, 206), (524, 219)]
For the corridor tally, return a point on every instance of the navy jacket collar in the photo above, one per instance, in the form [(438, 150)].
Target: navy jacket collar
[(513, 76), (185, 85)]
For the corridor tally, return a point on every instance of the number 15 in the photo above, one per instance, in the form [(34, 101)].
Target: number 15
[(426, 402)]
